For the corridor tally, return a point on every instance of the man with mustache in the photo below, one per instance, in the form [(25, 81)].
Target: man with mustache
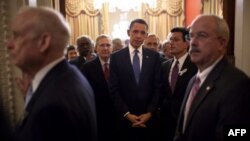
[(217, 97)]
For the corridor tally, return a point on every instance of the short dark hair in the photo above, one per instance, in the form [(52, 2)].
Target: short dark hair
[(71, 47), (183, 30), (141, 21)]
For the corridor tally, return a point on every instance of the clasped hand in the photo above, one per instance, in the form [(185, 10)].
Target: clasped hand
[(139, 121)]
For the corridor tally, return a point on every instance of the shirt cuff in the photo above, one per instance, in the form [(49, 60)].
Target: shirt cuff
[(126, 114)]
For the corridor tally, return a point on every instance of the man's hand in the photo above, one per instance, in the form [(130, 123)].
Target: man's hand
[(139, 121)]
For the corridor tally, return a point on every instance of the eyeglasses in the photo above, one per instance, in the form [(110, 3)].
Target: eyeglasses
[(201, 36)]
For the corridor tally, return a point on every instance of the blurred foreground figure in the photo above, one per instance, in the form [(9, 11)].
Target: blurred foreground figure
[(59, 104)]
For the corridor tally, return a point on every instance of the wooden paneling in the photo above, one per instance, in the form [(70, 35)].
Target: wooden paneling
[(229, 16)]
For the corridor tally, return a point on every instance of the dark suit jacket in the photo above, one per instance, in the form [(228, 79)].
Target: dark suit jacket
[(104, 107), (5, 123), (62, 108), (222, 100), (170, 108), (126, 94), (78, 61)]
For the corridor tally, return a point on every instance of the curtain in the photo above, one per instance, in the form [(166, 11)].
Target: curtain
[(168, 14), (83, 19), (9, 95), (212, 7)]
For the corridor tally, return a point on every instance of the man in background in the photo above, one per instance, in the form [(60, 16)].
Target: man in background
[(84, 47), (97, 73), (176, 74), (117, 44), (152, 42), (71, 53), (166, 49)]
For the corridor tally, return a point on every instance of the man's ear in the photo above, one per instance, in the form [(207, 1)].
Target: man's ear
[(45, 41), (223, 42)]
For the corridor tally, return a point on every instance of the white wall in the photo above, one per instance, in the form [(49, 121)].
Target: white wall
[(242, 35)]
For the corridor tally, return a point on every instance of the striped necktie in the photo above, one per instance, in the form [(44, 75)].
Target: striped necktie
[(174, 75), (106, 71), (191, 97)]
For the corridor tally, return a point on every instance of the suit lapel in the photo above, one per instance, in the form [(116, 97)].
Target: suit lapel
[(145, 64), (38, 92), (166, 75), (182, 72), (166, 68), (99, 71), (63, 65), (127, 62), (205, 89)]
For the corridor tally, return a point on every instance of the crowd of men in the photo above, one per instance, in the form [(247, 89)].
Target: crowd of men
[(183, 89)]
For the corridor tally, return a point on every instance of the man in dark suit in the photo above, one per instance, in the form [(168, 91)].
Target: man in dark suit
[(135, 85), (173, 95), (60, 102), (84, 47), (5, 123), (217, 97), (97, 71)]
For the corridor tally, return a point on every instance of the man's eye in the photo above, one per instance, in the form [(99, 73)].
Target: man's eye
[(201, 35), (135, 31)]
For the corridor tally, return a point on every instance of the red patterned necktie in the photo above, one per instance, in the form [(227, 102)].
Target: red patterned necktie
[(191, 97), (174, 75), (106, 71)]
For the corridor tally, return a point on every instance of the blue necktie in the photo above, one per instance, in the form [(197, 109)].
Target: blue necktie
[(136, 66)]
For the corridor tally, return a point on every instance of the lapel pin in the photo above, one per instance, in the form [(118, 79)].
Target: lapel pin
[(208, 88)]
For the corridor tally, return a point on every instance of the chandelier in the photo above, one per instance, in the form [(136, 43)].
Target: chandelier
[(123, 5)]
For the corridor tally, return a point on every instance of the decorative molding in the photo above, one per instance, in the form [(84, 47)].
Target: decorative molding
[(76, 7), (6, 84), (172, 7)]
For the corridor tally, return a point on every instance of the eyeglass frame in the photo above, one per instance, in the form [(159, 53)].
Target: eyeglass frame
[(199, 36)]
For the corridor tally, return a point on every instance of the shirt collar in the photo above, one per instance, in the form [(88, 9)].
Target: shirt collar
[(181, 60), (132, 49), (103, 62), (203, 75), (41, 73)]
